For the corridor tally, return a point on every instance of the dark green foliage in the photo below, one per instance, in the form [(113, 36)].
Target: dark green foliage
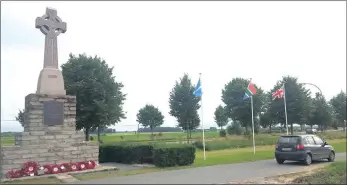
[(184, 105), (99, 96), (150, 116), (234, 129), (20, 117), (162, 155), (338, 104), (126, 153), (222, 133), (221, 116), (297, 98), (321, 113), (238, 109), (167, 156)]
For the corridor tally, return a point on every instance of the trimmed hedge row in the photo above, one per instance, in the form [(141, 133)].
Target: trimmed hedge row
[(159, 155), (167, 156)]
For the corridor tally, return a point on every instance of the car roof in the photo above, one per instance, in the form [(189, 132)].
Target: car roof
[(301, 135)]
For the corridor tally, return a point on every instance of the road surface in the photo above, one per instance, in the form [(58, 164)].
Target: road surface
[(217, 174)]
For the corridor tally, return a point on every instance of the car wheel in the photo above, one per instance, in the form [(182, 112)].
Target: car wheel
[(308, 159), (331, 157), (280, 161)]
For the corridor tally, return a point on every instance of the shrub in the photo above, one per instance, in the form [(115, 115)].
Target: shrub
[(126, 153), (160, 134), (234, 129), (222, 133), (172, 155), (91, 138)]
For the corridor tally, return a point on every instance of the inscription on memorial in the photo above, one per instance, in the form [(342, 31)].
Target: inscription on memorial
[(53, 113)]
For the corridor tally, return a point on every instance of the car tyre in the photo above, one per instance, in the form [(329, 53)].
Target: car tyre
[(331, 157), (280, 161), (308, 159)]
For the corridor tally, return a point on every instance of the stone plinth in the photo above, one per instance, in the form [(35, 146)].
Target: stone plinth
[(48, 144)]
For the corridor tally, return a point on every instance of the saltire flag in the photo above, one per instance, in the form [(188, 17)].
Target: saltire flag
[(198, 91), (250, 91), (279, 93)]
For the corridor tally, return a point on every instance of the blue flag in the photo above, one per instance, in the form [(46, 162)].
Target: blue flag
[(198, 91)]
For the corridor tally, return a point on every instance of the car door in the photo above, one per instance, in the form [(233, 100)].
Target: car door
[(311, 145), (323, 151)]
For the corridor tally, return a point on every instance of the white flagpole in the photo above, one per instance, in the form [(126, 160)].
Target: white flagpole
[(202, 121), (253, 125), (285, 106)]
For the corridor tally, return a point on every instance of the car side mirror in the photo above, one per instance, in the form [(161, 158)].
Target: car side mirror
[(325, 143)]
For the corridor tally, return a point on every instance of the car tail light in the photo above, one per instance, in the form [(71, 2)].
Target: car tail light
[(300, 147)]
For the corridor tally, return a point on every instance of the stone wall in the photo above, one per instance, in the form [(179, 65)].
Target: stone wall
[(48, 144)]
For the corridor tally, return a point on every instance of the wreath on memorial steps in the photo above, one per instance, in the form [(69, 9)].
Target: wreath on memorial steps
[(30, 168), (73, 167), (82, 165), (47, 168), (65, 167), (91, 164), (15, 174), (55, 169)]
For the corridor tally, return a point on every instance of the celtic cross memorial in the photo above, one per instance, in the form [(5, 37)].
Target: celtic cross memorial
[(51, 80)]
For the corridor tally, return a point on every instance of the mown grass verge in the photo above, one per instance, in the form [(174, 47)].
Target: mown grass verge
[(39, 180), (332, 174), (227, 156)]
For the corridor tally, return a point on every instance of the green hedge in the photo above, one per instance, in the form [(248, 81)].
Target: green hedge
[(126, 153), (167, 156), (161, 155)]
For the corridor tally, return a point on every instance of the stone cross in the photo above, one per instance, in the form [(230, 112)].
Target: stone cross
[(51, 26)]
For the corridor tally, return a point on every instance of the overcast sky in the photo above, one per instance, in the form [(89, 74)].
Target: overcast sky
[(151, 45)]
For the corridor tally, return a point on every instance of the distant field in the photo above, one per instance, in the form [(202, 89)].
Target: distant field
[(177, 137)]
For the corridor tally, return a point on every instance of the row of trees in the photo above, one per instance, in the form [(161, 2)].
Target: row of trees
[(302, 108), (100, 101)]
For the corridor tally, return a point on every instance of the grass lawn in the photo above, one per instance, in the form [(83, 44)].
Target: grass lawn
[(332, 174), (43, 180), (216, 157)]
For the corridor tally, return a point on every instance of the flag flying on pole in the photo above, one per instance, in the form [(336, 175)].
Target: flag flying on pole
[(278, 93), (198, 91), (250, 91)]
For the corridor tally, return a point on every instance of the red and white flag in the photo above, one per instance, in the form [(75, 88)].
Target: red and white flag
[(278, 94)]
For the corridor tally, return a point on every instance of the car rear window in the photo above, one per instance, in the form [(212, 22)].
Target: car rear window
[(289, 140)]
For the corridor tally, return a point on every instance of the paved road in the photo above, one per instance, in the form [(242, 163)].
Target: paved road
[(212, 174)]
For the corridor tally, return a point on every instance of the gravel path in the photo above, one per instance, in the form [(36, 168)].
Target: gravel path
[(218, 174)]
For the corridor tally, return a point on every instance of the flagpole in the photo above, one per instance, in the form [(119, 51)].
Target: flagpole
[(285, 105), (202, 121), (253, 125)]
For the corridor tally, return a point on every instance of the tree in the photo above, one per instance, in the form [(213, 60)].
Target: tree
[(234, 128), (266, 120), (20, 117), (297, 98), (99, 96), (220, 116), (321, 114), (184, 105), (150, 116), (238, 109), (338, 104)]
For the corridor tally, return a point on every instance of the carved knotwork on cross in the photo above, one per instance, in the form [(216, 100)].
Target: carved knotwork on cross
[(51, 26)]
